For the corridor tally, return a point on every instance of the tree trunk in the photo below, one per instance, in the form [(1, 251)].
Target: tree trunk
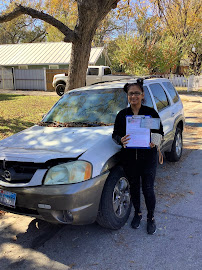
[(90, 13), (79, 63)]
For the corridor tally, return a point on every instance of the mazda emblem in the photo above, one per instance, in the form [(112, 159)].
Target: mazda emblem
[(7, 175)]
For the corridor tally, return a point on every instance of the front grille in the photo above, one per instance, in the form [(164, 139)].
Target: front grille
[(21, 172), (20, 210), (17, 172)]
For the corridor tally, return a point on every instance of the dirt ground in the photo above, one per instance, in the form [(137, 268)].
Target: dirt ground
[(193, 117)]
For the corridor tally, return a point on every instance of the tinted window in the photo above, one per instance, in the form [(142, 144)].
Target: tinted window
[(107, 71), (171, 90), (147, 98), (160, 96), (93, 71), (88, 106)]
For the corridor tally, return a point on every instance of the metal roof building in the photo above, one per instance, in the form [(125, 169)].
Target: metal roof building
[(33, 65), (45, 54)]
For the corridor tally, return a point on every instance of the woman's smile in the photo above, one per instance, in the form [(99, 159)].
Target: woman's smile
[(135, 95)]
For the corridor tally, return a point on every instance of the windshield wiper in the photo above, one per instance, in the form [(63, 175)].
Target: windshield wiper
[(51, 124), (73, 124), (91, 124)]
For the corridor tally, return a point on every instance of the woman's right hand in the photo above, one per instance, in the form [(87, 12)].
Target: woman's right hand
[(124, 140)]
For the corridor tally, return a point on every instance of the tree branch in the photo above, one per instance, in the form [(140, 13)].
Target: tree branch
[(42, 34), (70, 35), (162, 14), (114, 5)]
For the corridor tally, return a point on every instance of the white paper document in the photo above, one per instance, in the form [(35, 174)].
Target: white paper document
[(139, 137), (151, 123)]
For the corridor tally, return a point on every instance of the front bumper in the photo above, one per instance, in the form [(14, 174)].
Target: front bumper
[(67, 204)]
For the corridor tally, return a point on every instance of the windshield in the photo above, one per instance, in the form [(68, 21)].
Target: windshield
[(87, 108)]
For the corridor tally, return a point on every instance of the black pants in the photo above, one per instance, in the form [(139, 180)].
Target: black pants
[(141, 165)]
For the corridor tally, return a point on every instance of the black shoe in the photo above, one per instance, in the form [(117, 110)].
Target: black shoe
[(151, 226), (135, 224)]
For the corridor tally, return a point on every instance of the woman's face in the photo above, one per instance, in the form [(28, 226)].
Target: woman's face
[(135, 95)]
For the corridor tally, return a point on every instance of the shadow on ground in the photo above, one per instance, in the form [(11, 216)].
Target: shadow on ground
[(9, 96)]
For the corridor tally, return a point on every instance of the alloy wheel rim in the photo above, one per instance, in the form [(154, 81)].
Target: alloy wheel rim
[(61, 90), (178, 144), (121, 197)]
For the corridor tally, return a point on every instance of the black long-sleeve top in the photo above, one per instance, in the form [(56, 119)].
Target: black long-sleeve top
[(120, 122)]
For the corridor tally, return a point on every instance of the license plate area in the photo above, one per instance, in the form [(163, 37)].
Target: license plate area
[(7, 198)]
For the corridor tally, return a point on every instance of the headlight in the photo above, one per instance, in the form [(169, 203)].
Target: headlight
[(69, 173)]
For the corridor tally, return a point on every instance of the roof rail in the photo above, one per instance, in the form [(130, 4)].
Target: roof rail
[(115, 80), (148, 77), (130, 77)]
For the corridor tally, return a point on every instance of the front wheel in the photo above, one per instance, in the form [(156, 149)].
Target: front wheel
[(115, 203), (176, 150), (60, 89)]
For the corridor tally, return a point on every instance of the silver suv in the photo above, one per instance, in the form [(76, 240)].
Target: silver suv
[(66, 169)]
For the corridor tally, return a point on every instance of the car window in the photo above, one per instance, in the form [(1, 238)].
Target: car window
[(160, 96), (107, 71), (171, 90), (147, 98), (100, 105), (93, 71)]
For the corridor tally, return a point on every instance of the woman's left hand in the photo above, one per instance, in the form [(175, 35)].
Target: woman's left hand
[(152, 145)]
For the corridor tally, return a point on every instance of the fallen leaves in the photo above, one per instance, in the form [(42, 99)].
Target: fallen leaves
[(2, 213), (71, 265), (195, 174), (14, 238)]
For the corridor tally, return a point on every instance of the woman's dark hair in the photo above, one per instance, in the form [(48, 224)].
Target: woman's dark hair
[(139, 83)]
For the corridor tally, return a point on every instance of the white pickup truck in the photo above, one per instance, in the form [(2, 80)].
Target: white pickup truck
[(95, 74)]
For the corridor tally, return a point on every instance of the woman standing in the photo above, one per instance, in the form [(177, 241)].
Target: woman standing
[(138, 163)]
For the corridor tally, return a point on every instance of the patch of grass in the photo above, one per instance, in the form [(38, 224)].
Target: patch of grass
[(18, 112), (183, 90)]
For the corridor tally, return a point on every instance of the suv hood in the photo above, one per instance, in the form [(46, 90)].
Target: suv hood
[(39, 144)]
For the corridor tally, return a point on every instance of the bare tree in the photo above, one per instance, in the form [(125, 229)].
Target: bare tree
[(90, 14)]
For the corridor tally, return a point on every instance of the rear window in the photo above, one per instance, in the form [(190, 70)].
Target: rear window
[(160, 96), (171, 90), (93, 71), (107, 71)]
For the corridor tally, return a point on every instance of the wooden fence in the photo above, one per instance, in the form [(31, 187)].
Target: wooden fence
[(28, 79), (49, 77), (192, 82)]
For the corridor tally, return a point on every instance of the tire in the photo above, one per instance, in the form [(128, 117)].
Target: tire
[(176, 150), (115, 203), (60, 89)]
